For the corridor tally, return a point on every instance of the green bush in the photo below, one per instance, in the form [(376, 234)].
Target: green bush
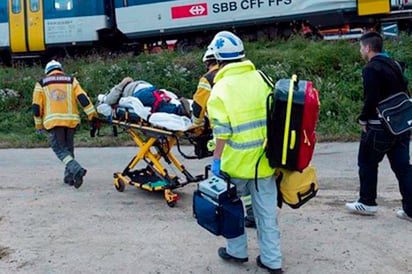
[(333, 66)]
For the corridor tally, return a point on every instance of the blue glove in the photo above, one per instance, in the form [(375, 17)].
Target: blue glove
[(41, 131), (216, 167)]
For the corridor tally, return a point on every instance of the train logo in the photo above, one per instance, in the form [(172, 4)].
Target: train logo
[(186, 11)]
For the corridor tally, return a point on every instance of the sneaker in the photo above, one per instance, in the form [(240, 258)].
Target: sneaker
[(185, 107), (249, 222), (78, 179), (402, 215), (359, 208), (227, 257), (271, 270)]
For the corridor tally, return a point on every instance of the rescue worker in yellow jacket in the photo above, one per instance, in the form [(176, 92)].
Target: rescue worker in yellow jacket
[(237, 110), (55, 107), (204, 88), (200, 98)]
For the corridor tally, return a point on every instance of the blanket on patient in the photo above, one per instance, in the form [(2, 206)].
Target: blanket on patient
[(158, 119)]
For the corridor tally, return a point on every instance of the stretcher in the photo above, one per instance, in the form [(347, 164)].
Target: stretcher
[(155, 148)]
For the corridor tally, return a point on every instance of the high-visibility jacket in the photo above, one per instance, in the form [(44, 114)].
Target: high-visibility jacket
[(204, 88), (237, 110), (55, 99)]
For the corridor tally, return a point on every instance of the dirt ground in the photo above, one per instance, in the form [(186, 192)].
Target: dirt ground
[(48, 227)]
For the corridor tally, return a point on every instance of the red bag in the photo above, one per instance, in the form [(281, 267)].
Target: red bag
[(292, 115)]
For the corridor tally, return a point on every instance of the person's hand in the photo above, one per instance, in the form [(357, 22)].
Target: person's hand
[(215, 167), (364, 128), (41, 131)]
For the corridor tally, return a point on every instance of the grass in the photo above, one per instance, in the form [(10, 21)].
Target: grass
[(333, 66)]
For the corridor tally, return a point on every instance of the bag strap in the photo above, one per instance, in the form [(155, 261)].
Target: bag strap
[(396, 67), (268, 80)]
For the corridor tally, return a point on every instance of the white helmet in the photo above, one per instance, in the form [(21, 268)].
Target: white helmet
[(53, 64), (209, 56), (227, 46)]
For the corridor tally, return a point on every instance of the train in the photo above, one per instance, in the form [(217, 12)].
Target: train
[(30, 28)]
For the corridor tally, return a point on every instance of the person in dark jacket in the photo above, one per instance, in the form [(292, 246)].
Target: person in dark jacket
[(382, 77)]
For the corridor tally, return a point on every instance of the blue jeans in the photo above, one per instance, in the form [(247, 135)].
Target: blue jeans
[(374, 145), (264, 204), (148, 99)]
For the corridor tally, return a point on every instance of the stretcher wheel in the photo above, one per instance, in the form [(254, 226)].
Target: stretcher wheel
[(119, 184), (171, 204), (171, 198)]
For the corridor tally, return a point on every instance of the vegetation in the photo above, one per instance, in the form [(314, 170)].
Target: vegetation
[(334, 67)]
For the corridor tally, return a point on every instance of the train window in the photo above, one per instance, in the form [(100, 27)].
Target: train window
[(63, 4), (16, 6), (34, 5)]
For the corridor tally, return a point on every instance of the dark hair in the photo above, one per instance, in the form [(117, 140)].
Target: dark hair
[(374, 40), (225, 62)]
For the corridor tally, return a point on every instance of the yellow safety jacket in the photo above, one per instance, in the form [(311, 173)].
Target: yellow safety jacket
[(202, 94), (55, 99), (237, 110)]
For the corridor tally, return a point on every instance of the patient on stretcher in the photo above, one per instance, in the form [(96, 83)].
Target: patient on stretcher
[(158, 106), (133, 101), (159, 100)]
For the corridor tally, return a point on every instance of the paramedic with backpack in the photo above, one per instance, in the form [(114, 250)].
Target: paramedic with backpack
[(200, 99), (237, 110), (55, 107), (382, 77)]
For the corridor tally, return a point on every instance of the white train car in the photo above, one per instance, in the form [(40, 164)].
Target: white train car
[(35, 27)]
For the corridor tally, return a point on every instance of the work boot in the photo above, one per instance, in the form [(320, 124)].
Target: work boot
[(185, 107), (227, 257), (270, 270), (78, 179), (68, 180), (250, 222)]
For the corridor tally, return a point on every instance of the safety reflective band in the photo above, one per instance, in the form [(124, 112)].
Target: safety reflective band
[(222, 131), (247, 200), (220, 128), (68, 117), (249, 126), (69, 98), (89, 110), (67, 159), (205, 86), (226, 129), (246, 145)]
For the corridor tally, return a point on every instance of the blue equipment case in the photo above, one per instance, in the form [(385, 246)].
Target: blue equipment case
[(217, 207)]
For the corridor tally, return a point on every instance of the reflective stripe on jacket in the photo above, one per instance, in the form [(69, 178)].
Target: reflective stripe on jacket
[(237, 110), (56, 95)]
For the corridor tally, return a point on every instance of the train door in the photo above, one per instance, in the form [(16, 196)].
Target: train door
[(26, 25)]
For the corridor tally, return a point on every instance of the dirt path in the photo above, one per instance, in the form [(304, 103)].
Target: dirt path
[(47, 227)]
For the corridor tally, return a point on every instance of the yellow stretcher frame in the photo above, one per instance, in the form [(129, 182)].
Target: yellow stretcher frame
[(147, 138)]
